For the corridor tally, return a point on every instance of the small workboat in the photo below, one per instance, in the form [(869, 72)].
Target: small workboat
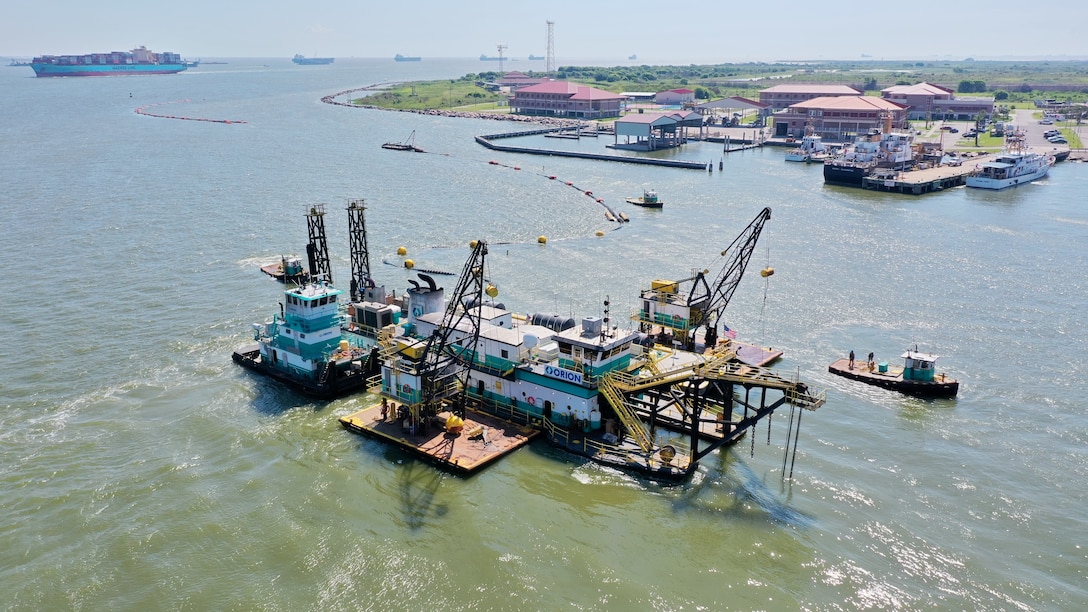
[(648, 200), (917, 377)]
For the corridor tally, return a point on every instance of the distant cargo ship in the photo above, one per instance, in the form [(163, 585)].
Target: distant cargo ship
[(311, 61), (536, 57), (404, 58), (137, 61), (488, 58)]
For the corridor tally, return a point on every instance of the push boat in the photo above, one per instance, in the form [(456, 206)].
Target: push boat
[(307, 348), (649, 199), (917, 377), (1018, 164)]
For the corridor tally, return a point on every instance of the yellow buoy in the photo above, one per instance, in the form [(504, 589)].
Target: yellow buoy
[(600, 233), (542, 239), (491, 290), (472, 245), (765, 272), (402, 251), (408, 263)]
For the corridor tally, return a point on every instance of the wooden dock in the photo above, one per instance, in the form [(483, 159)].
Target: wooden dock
[(483, 440)]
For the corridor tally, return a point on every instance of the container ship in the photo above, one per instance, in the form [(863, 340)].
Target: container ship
[(137, 61)]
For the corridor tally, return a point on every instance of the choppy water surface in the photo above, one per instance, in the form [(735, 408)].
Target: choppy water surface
[(141, 469)]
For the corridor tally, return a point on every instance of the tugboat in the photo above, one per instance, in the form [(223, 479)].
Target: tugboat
[(648, 200), (305, 348), (917, 376)]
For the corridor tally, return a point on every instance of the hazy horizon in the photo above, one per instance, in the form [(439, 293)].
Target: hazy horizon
[(851, 30)]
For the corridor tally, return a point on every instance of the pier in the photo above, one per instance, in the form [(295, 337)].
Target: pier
[(926, 180), (487, 141)]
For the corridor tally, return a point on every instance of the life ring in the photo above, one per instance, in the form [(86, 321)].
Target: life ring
[(406, 388), (531, 400)]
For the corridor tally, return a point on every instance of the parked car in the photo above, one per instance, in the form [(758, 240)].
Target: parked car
[(954, 131), (947, 127), (1058, 140)]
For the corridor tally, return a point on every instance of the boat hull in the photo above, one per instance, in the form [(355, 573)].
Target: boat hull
[(845, 174), (645, 204), (982, 182), (941, 388), (63, 70), (342, 382)]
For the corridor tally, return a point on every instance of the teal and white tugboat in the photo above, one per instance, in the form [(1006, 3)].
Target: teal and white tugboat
[(305, 347), (322, 343)]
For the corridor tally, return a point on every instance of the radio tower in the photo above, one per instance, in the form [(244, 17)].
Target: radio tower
[(549, 64), (501, 49)]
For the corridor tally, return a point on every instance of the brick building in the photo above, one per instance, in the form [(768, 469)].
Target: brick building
[(564, 99), (839, 118)]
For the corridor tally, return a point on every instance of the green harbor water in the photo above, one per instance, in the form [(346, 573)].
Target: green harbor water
[(141, 469)]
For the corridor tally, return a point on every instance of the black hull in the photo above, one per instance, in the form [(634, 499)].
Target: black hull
[(339, 383), (845, 175), (917, 388)]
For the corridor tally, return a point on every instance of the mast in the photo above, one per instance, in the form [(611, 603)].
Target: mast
[(317, 251), (360, 255)]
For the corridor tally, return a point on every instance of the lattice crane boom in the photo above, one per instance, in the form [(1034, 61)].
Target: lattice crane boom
[(707, 301)]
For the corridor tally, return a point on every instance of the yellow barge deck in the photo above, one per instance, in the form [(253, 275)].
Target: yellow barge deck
[(483, 439)]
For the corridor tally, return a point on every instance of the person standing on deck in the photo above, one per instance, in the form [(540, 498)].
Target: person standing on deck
[(851, 363)]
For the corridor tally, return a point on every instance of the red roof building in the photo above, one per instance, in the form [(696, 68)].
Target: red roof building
[(564, 99), (839, 117), (782, 96), (928, 101)]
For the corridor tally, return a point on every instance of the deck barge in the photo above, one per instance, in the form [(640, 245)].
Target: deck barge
[(483, 439)]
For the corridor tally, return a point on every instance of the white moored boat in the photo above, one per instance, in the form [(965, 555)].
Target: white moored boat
[(1016, 165)]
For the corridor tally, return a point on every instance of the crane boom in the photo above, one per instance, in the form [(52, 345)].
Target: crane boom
[(708, 301), (446, 357)]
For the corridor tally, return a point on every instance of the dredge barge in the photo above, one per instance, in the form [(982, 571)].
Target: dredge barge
[(463, 381)]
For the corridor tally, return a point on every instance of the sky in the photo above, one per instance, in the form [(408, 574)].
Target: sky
[(658, 32)]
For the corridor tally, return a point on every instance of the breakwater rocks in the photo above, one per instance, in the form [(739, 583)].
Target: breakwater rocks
[(336, 100)]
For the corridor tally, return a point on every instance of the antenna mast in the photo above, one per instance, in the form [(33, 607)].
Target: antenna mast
[(501, 49), (549, 64)]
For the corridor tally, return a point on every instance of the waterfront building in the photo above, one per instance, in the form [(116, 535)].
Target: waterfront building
[(781, 97), (651, 131), (933, 102), (565, 99), (839, 118)]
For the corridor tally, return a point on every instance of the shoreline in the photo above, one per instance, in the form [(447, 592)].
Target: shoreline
[(548, 121)]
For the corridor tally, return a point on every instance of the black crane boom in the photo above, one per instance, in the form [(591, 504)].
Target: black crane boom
[(708, 301)]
